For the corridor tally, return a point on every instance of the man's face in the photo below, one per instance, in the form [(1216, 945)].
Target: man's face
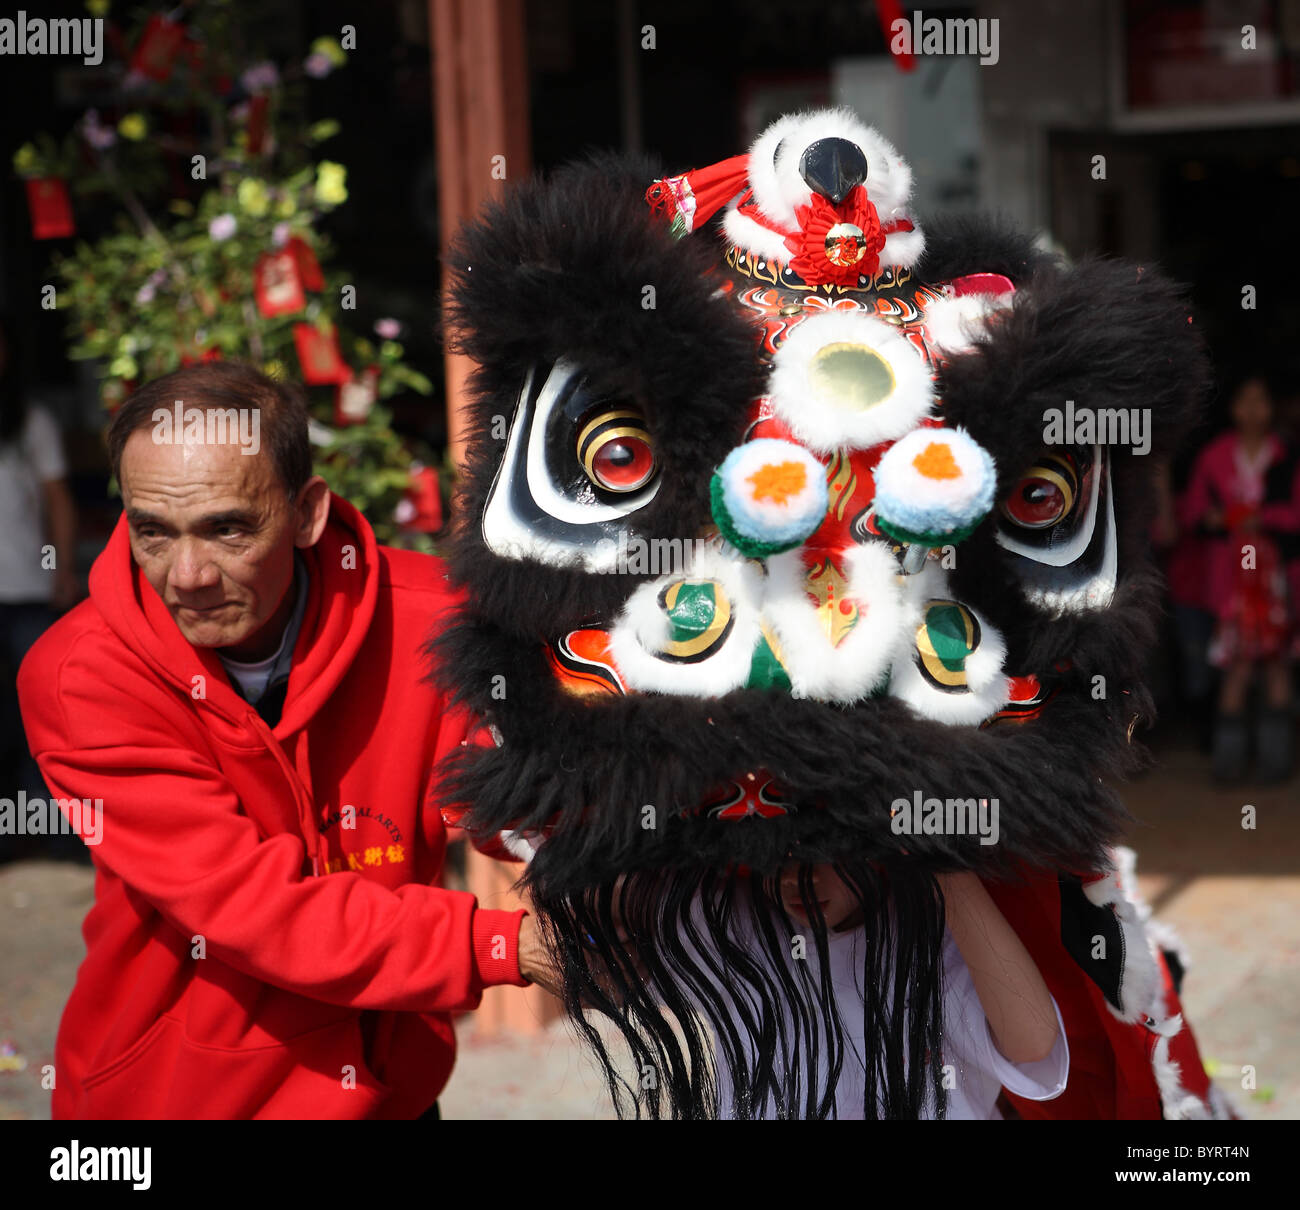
[(213, 530)]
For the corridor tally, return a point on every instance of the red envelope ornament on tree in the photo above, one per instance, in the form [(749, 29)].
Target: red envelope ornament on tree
[(156, 53), (277, 284), (356, 397), (47, 199), (319, 354), (421, 507), (308, 265)]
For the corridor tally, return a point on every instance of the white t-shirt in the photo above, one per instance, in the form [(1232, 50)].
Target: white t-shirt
[(978, 1068), (254, 677), (33, 458)]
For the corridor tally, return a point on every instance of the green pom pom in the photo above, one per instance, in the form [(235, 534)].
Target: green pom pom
[(753, 548), (916, 538)]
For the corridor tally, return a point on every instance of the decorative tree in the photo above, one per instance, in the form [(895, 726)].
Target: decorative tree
[(214, 251)]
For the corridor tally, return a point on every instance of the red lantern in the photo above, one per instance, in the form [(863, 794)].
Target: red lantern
[(47, 199), (424, 497), (308, 265), (319, 354), (159, 44), (354, 398), (277, 285)]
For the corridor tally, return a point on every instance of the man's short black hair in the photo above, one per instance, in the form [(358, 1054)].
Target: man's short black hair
[(225, 384)]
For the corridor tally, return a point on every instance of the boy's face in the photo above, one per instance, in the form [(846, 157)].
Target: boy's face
[(837, 902)]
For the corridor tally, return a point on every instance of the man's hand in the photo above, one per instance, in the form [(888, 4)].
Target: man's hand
[(534, 959), (536, 965)]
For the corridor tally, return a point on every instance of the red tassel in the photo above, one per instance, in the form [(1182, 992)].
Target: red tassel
[(695, 197)]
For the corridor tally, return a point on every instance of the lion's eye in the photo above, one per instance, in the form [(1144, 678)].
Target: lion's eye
[(615, 450), (1043, 497)]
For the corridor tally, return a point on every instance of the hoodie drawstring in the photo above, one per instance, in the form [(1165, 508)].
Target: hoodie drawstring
[(306, 806)]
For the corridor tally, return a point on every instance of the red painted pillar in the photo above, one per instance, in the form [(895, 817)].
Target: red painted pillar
[(480, 107)]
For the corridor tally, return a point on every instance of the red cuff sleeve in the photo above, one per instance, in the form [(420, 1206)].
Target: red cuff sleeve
[(495, 937)]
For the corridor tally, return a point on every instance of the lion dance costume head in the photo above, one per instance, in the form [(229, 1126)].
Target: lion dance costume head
[(775, 560)]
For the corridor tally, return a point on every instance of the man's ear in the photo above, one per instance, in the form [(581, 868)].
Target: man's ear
[(313, 510)]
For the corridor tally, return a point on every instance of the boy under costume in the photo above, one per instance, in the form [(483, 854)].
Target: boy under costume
[(821, 546), (974, 1070)]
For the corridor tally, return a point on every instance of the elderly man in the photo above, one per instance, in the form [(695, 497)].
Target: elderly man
[(240, 713)]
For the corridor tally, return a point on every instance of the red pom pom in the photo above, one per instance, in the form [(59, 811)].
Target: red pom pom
[(837, 244)]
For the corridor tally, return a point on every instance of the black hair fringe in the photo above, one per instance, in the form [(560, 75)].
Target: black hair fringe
[(696, 969)]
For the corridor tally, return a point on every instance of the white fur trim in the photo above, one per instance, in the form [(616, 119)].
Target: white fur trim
[(522, 845), (1221, 1107), (642, 630), (754, 237), (956, 325), (902, 248), (1142, 988), (850, 671), (822, 424), (1162, 935), (779, 189), (1178, 1104), (1141, 985), (770, 189)]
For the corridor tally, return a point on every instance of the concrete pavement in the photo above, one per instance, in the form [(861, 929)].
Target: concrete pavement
[(1232, 894)]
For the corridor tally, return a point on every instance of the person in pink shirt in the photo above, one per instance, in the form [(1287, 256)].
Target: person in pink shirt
[(1244, 496)]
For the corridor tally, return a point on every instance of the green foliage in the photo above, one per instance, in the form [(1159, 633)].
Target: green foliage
[(173, 280)]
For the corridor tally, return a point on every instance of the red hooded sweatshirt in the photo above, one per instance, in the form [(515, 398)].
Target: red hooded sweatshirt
[(250, 954)]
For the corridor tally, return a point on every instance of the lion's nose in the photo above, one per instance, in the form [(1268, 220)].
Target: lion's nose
[(832, 167)]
